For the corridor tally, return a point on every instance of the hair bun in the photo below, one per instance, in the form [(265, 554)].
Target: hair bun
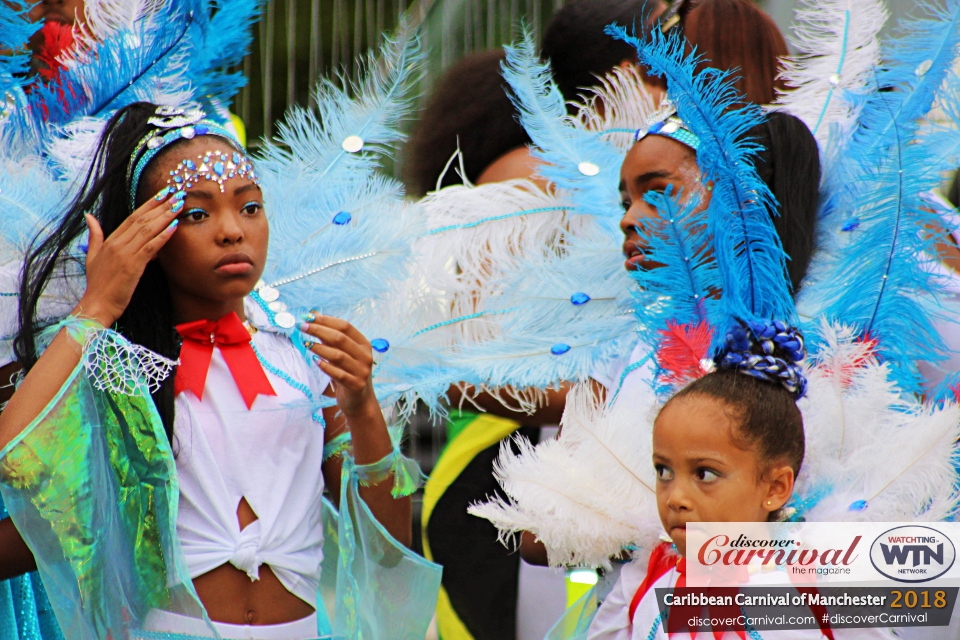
[(769, 351)]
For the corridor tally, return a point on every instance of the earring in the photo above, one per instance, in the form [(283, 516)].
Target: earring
[(769, 502)]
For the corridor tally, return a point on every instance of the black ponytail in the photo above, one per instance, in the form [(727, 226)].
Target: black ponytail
[(148, 319), (790, 165)]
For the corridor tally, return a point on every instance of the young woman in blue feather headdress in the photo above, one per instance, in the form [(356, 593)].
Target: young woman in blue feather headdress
[(101, 442)]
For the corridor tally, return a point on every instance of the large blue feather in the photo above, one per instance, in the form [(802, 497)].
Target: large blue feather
[(341, 234), (748, 251), (15, 31), (876, 228), (683, 289), (227, 38), (563, 147)]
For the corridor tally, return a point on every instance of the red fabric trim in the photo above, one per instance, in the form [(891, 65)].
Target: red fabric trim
[(662, 560)]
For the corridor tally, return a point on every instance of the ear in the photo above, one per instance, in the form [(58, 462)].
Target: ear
[(779, 481)]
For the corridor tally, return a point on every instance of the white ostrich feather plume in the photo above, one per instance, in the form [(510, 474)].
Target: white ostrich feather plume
[(873, 453), (589, 492), (617, 107), (839, 49), (476, 234)]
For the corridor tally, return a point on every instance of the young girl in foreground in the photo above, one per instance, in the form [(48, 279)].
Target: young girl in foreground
[(177, 242), (726, 448)]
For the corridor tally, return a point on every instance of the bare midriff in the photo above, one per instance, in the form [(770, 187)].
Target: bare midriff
[(230, 596)]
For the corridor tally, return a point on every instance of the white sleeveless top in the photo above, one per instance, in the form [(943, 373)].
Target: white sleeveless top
[(270, 454)]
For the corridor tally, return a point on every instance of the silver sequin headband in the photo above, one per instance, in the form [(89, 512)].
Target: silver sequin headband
[(180, 124), (665, 122)]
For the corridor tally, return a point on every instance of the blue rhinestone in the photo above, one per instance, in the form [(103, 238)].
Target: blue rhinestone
[(178, 179), (342, 218), (859, 505), (559, 349), (84, 246), (379, 345), (236, 158), (218, 168), (579, 298), (850, 226), (655, 128), (201, 129), (190, 164)]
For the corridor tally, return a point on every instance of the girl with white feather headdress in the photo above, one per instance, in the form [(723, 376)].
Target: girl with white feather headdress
[(586, 493), (250, 428)]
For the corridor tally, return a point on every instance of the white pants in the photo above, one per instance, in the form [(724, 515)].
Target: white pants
[(167, 622)]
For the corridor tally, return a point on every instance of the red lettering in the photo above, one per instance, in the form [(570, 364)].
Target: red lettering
[(703, 550), (853, 545)]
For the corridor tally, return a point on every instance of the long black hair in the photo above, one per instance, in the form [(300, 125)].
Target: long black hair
[(789, 163), (148, 319)]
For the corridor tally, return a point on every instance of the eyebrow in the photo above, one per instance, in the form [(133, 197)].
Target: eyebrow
[(247, 187), (206, 195), (650, 175)]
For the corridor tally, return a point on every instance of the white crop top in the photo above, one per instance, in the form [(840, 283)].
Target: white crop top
[(270, 454)]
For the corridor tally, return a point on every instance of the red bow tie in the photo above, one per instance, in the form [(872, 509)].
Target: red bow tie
[(233, 339)]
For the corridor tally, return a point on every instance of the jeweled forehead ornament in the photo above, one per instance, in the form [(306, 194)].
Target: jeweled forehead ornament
[(173, 124), (665, 122), (212, 166)]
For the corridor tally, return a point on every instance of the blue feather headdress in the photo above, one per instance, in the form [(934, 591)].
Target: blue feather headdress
[(15, 31), (748, 253), (341, 233), (873, 272), (173, 53), (580, 163), (684, 286)]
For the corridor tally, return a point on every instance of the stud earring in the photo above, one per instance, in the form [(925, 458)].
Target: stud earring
[(769, 502)]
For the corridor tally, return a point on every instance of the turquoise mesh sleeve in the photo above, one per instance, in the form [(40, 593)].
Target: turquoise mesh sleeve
[(575, 621), (384, 591), (25, 611), (91, 484)]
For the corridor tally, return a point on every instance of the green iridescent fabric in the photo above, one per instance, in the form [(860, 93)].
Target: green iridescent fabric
[(91, 484)]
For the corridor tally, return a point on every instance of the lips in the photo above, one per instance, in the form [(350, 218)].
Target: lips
[(634, 255), (234, 264)]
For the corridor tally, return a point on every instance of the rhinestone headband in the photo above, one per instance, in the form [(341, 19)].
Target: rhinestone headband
[(665, 122), (182, 124), (213, 166)]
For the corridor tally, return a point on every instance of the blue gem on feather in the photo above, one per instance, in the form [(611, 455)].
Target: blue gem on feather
[(342, 218), (859, 505), (379, 345), (559, 349), (850, 225), (579, 298)]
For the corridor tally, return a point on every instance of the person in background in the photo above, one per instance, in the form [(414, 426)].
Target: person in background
[(470, 111)]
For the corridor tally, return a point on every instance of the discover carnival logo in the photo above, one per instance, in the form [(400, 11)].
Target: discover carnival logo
[(912, 553)]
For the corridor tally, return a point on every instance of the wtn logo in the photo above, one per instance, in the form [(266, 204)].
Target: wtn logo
[(912, 554), (899, 554)]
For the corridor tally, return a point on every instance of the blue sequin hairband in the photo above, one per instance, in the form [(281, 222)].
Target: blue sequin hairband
[(179, 124), (665, 122), (738, 354)]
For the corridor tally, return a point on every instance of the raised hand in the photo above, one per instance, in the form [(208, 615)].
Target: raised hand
[(115, 265), (346, 356)]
